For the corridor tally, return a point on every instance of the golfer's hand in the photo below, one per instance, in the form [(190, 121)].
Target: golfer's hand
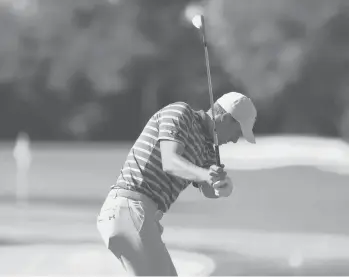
[(216, 174), (223, 188)]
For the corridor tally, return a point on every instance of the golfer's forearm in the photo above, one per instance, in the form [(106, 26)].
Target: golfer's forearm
[(181, 167)]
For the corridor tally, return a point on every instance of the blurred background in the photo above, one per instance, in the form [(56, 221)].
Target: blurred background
[(80, 78), (73, 70)]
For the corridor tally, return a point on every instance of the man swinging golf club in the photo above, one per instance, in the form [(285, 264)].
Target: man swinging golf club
[(177, 147)]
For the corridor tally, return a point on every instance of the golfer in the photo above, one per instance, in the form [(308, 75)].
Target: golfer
[(174, 150)]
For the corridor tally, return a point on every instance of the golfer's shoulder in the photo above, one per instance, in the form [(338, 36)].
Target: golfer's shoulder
[(179, 109)]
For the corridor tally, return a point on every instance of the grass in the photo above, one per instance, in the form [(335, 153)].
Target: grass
[(68, 185)]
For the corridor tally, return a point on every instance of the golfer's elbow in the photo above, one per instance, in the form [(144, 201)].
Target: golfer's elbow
[(169, 165), (170, 152), (168, 168)]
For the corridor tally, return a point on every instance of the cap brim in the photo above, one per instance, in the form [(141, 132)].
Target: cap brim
[(247, 132)]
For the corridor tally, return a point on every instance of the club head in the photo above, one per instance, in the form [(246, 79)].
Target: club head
[(198, 21)]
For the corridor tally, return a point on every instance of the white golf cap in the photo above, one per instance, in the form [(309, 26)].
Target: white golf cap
[(242, 110)]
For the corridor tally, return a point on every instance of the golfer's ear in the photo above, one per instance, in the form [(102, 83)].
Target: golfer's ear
[(225, 117), (169, 150)]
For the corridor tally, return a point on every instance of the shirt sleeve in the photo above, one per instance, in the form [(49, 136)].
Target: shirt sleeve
[(174, 124)]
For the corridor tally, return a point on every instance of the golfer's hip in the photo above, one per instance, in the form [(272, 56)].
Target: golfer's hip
[(123, 213)]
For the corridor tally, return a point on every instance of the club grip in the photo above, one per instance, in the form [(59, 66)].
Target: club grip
[(218, 158)]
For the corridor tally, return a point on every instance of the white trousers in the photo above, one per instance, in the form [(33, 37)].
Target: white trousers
[(130, 229)]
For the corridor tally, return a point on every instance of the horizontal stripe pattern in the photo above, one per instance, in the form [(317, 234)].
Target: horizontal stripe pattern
[(142, 170)]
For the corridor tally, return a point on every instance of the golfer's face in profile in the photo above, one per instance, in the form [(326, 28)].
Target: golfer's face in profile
[(228, 129)]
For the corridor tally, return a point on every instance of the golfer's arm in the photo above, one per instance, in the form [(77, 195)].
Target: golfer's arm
[(175, 164)]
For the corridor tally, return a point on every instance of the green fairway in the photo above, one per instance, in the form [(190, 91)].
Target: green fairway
[(68, 185), (295, 198)]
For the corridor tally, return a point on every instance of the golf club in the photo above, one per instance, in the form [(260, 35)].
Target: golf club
[(199, 22)]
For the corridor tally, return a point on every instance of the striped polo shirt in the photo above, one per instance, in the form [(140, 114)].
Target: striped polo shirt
[(142, 170)]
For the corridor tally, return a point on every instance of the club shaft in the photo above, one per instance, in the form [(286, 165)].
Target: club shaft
[(215, 136)]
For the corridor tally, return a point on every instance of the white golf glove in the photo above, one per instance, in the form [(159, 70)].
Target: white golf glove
[(223, 188)]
